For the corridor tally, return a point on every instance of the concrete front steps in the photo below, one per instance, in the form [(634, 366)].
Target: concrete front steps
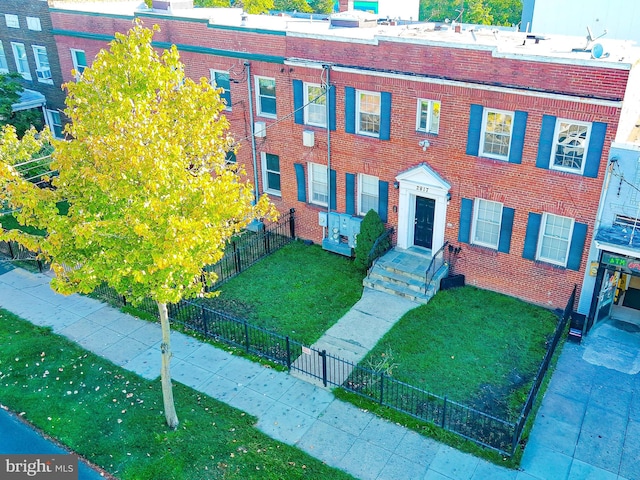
[(402, 272)]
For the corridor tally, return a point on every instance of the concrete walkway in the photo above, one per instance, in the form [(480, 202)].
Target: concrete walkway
[(298, 413)]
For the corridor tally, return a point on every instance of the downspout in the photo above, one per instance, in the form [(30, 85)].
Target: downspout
[(253, 136), (327, 69)]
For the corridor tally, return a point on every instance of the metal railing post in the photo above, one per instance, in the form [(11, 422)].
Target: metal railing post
[(444, 412), (323, 354), (292, 223), (381, 387), (288, 354), (246, 336)]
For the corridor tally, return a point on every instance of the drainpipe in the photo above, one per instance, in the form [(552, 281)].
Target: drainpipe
[(253, 136), (327, 69)]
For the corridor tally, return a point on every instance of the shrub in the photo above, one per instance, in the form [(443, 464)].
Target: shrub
[(370, 229)]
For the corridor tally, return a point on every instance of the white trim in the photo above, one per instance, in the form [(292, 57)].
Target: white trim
[(265, 175), (4, 56), (431, 104), (310, 166), (361, 176), (554, 146), (358, 125), (483, 131), (11, 20), (212, 74), (543, 222), (33, 23), (43, 72), (477, 86), (307, 103), (26, 74), (259, 97), (620, 250), (74, 59), (474, 224), (421, 181)]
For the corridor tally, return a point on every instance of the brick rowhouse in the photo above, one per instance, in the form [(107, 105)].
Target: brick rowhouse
[(537, 82)]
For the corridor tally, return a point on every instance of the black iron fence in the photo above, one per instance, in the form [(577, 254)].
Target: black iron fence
[(480, 427), (245, 250), (381, 246), (13, 251)]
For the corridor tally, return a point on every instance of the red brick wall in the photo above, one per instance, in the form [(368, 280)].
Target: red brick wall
[(523, 187)]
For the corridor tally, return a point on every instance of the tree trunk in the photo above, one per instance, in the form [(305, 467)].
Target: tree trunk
[(165, 372)]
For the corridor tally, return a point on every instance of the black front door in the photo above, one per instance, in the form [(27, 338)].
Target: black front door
[(423, 229)]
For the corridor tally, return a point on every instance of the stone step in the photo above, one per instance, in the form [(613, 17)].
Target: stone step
[(396, 277), (397, 289)]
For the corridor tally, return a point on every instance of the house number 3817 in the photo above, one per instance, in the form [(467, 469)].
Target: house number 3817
[(422, 189)]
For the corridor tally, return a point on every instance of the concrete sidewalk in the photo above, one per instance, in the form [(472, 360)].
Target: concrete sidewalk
[(298, 413)]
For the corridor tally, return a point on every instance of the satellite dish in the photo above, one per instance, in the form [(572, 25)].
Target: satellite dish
[(597, 51)]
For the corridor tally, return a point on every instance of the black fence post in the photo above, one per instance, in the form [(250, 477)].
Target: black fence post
[(205, 321), (288, 354), (381, 387), (292, 223), (516, 434), (40, 266), (323, 354), (246, 336), (124, 300), (444, 412), (236, 257)]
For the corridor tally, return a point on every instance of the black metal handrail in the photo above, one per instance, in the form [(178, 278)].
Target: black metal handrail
[(381, 246), (432, 269)]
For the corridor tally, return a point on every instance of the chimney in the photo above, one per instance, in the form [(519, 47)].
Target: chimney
[(169, 5)]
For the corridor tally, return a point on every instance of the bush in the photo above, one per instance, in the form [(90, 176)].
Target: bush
[(370, 229)]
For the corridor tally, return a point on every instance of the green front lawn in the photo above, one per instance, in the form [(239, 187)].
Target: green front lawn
[(477, 347), (300, 291), (114, 418)]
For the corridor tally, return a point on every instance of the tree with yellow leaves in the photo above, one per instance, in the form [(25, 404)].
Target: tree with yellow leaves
[(151, 199)]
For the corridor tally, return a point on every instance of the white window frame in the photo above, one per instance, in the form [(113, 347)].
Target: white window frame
[(361, 112), (546, 217), (266, 172), (33, 23), (77, 66), (4, 66), (311, 102), (362, 181), (317, 178), (54, 120), (477, 204), (433, 110), (227, 91), (41, 66), (485, 120), (26, 74), (11, 20), (556, 145), (260, 96)]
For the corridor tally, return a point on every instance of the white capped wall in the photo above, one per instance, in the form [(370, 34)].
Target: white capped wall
[(621, 18)]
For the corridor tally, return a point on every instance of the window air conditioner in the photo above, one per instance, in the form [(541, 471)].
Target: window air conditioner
[(308, 138), (44, 73), (260, 129)]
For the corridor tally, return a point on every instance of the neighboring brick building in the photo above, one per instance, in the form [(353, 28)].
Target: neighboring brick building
[(28, 47), (490, 140)]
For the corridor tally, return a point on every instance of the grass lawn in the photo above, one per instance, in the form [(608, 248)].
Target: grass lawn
[(114, 418), (477, 347), (300, 290)]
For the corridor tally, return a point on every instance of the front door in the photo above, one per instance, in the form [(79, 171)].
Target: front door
[(423, 223)]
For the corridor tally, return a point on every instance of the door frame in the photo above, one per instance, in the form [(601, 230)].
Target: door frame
[(415, 220), (421, 181)]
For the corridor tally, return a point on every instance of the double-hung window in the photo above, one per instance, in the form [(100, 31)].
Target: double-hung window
[(271, 173), (266, 96), (22, 63), (315, 101), (487, 218), (555, 238), (368, 113), (221, 80), (4, 66), (428, 116), (55, 123), (43, 69), (368, 193), (79, 59), (569, 150), (495, 139), (318, 188)]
